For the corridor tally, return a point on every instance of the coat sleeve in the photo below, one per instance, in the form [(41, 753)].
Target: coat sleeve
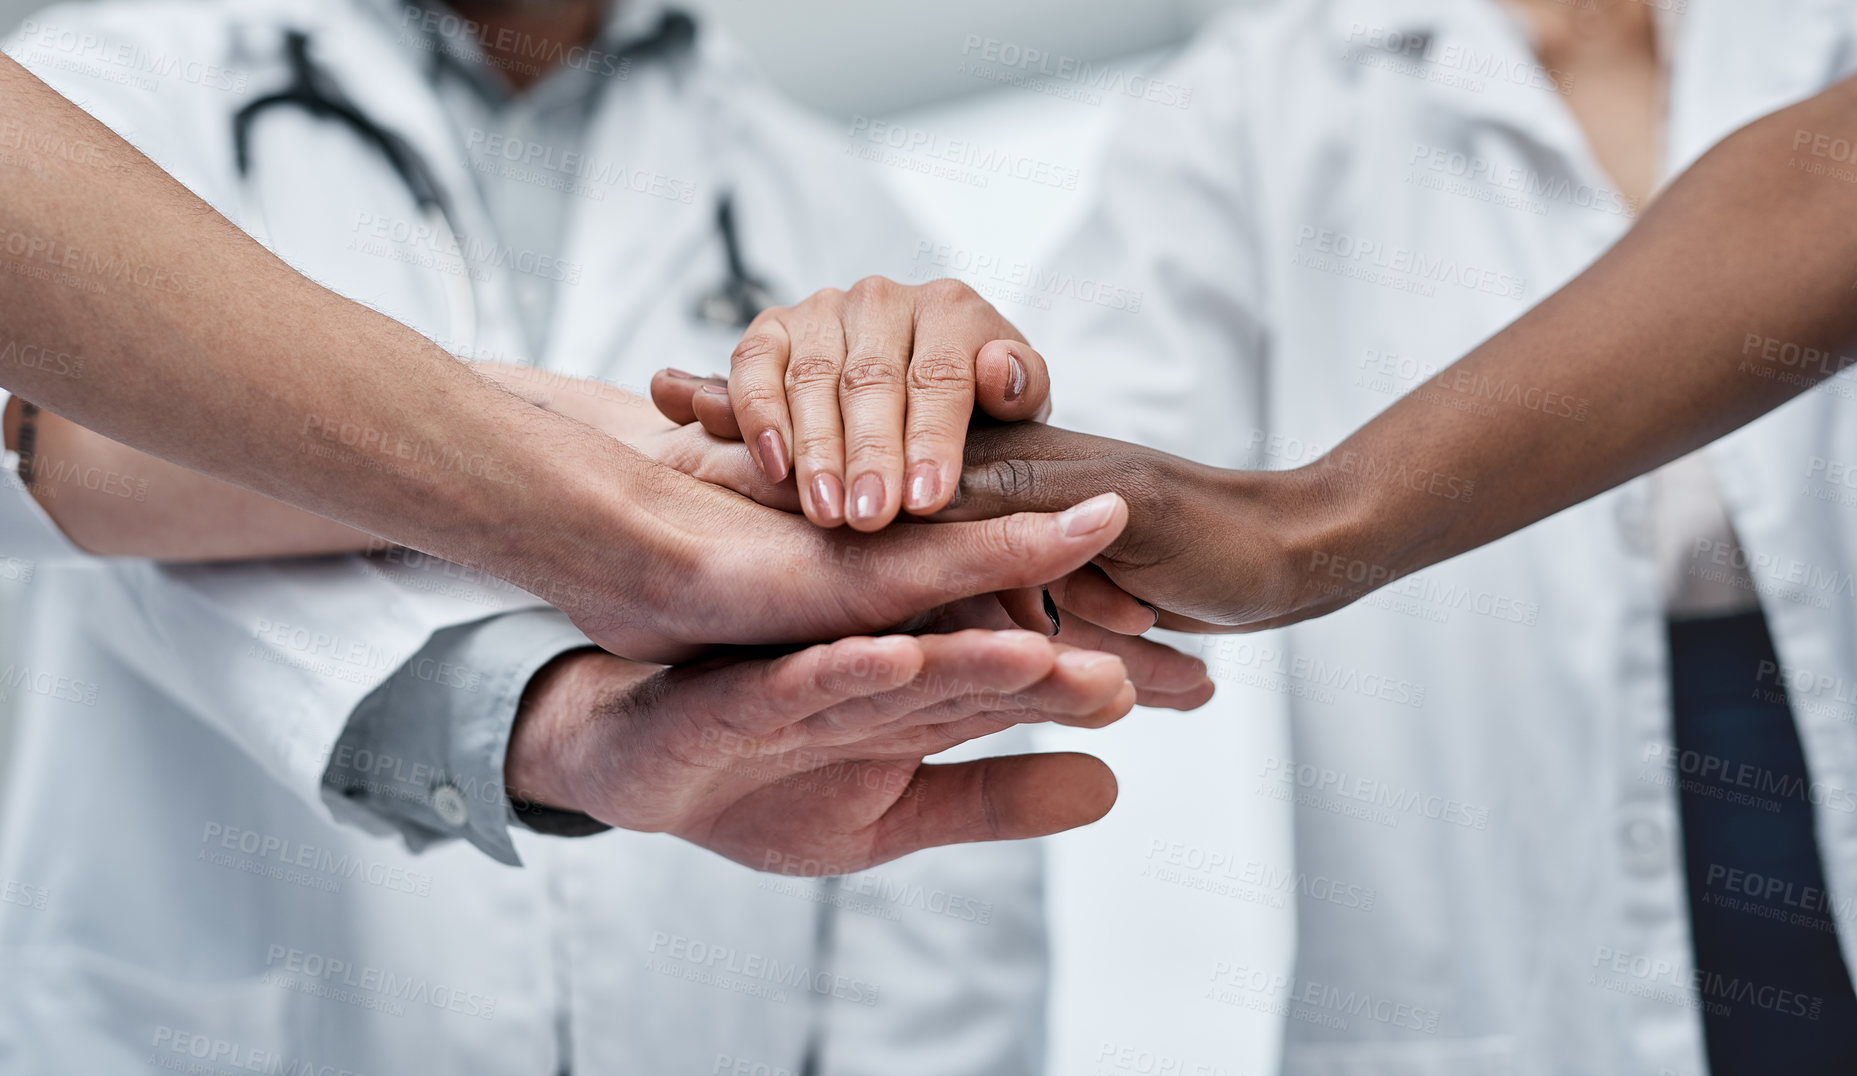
[(276, 655)]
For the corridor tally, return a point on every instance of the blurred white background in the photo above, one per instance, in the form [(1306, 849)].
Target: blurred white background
[(1133, 953)]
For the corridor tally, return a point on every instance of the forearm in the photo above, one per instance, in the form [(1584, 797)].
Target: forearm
[(265, 379), (1671, 340), (112, 500)]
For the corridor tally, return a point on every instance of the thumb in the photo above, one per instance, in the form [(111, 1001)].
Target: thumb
[(924, 565), (1011, 382)]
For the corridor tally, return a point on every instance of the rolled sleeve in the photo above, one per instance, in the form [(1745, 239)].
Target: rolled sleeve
[(28, 536), (423, 754)]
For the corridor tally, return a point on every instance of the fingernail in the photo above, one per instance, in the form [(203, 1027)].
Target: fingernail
[(773, 453), (828, 498), (714, 390), (867, 496), (1015, 377), (924, 485), (685, 374), (1087, 518), (1083, 659), (1051, 612), (1151, 609)]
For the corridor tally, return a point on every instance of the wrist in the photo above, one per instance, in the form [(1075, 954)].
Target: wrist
[(581, 534), (557, 729), (1351, 535)]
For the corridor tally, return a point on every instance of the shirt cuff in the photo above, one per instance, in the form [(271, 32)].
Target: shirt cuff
[(422, 756)]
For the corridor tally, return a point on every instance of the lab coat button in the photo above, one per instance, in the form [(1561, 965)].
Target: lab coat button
[(1644, 845), (450, 805)]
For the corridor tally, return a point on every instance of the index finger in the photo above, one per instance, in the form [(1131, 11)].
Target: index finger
[(953, 324), (758, 391)]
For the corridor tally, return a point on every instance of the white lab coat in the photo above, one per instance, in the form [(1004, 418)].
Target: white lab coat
[(1483, 746), (179, 893)]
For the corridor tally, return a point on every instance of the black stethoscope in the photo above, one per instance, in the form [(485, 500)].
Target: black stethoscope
[(741, 296)]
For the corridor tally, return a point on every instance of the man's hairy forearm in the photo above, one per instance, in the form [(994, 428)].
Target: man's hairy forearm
[(175, 333), (1706, 316)]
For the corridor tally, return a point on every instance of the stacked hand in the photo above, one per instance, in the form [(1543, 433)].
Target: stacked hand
[(812, 762), (1204, 549)]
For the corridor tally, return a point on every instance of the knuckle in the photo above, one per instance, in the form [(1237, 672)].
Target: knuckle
[(759, 347), (1138, 478), (875, 291), (1012, 540), (1013, 480), (865, 372), (941, 369), (811, 370), (872, 447), (826, 298), (817, 451), (756, 399), (949, 291)]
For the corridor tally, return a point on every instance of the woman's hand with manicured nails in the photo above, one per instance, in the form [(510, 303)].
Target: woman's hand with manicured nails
[(865, 396)]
